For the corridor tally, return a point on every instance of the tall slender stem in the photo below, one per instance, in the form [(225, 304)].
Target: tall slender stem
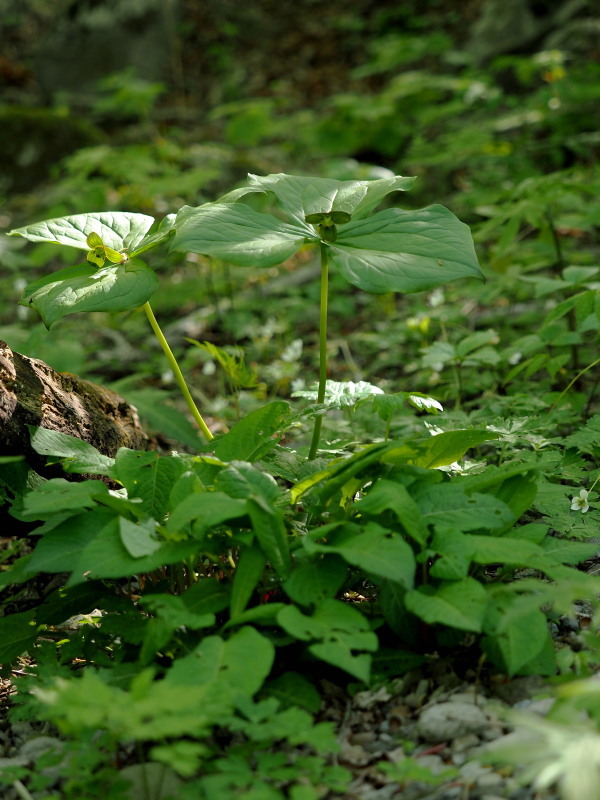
[(322, 350), (177, 372)]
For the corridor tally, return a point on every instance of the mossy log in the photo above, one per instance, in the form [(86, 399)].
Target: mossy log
[(32, 393)]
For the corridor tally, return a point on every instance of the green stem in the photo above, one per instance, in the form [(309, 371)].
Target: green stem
[(322, 351), (571, 383), (177, 372)]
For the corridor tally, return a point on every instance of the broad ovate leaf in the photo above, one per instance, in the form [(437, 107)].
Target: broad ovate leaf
[(301, 196), (238, 234), (114, 287), (405, 251), (119, 230), (341, 394)]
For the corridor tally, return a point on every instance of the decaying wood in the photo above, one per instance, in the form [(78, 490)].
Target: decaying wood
[(32, 393)]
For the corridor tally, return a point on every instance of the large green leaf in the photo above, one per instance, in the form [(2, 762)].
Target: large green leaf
[(237, 666), (457, 604), (299, 195), (339, 630), (405, 251), (149, 476), (448, 447), (117, 287), (271, 534), (372, 548), (17, 633), (76, 455), (254, 435), (238, 234), (119, 230)]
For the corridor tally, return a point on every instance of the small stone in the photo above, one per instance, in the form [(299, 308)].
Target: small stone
[(396, 755), (362, 737), (34, 748), (353, 755), (433, 763), (462, 743), (368, 699), (449, 721), (492, 733), (415, 699), (472, 771), (541, 707), (489, 781)]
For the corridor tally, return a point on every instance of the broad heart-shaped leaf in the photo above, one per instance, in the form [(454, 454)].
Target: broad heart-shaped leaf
[(118, 230), (405, 251), (116, 287), (300, 196), (238, 234)]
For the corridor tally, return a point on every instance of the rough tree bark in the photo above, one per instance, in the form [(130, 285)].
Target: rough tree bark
[(32, 393)]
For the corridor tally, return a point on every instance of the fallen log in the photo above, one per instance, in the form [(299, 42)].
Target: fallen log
[(32, 393)]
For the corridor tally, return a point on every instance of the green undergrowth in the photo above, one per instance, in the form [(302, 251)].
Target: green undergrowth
[(369, 465)]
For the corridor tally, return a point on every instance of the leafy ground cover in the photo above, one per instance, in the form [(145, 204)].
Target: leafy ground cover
[(376, 466)]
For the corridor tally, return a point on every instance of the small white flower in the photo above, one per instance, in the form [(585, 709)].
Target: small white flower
[(580, 502)]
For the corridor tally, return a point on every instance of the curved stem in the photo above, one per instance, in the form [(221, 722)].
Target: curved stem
[(177, 372), (569, 385), (322, 351)]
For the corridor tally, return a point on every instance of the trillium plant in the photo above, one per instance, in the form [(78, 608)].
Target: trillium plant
[(393, 250)]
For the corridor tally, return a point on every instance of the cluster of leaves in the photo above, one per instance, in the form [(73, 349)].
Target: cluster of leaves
[(219, 586)]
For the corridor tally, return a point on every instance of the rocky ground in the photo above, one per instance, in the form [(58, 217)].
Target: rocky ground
[(429, 720)]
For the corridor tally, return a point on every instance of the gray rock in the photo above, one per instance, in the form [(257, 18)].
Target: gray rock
[(34, 748), (462, 743), (450, 720), (435, 764)]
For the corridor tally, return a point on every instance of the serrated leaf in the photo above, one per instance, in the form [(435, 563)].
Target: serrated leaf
[(455, 550), (458, 604), (77, 455), (119, 230), (340, 630), (310, 584), (238, 234), (105, 556), (61, 548), (253, 436), (59, 495), (149, 476), (388, 495), (405, 251), (205, 510), (240, 480), (238, 665), (341, 394), (374, 549), (119, 287), (517, 627), (448, 506)]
